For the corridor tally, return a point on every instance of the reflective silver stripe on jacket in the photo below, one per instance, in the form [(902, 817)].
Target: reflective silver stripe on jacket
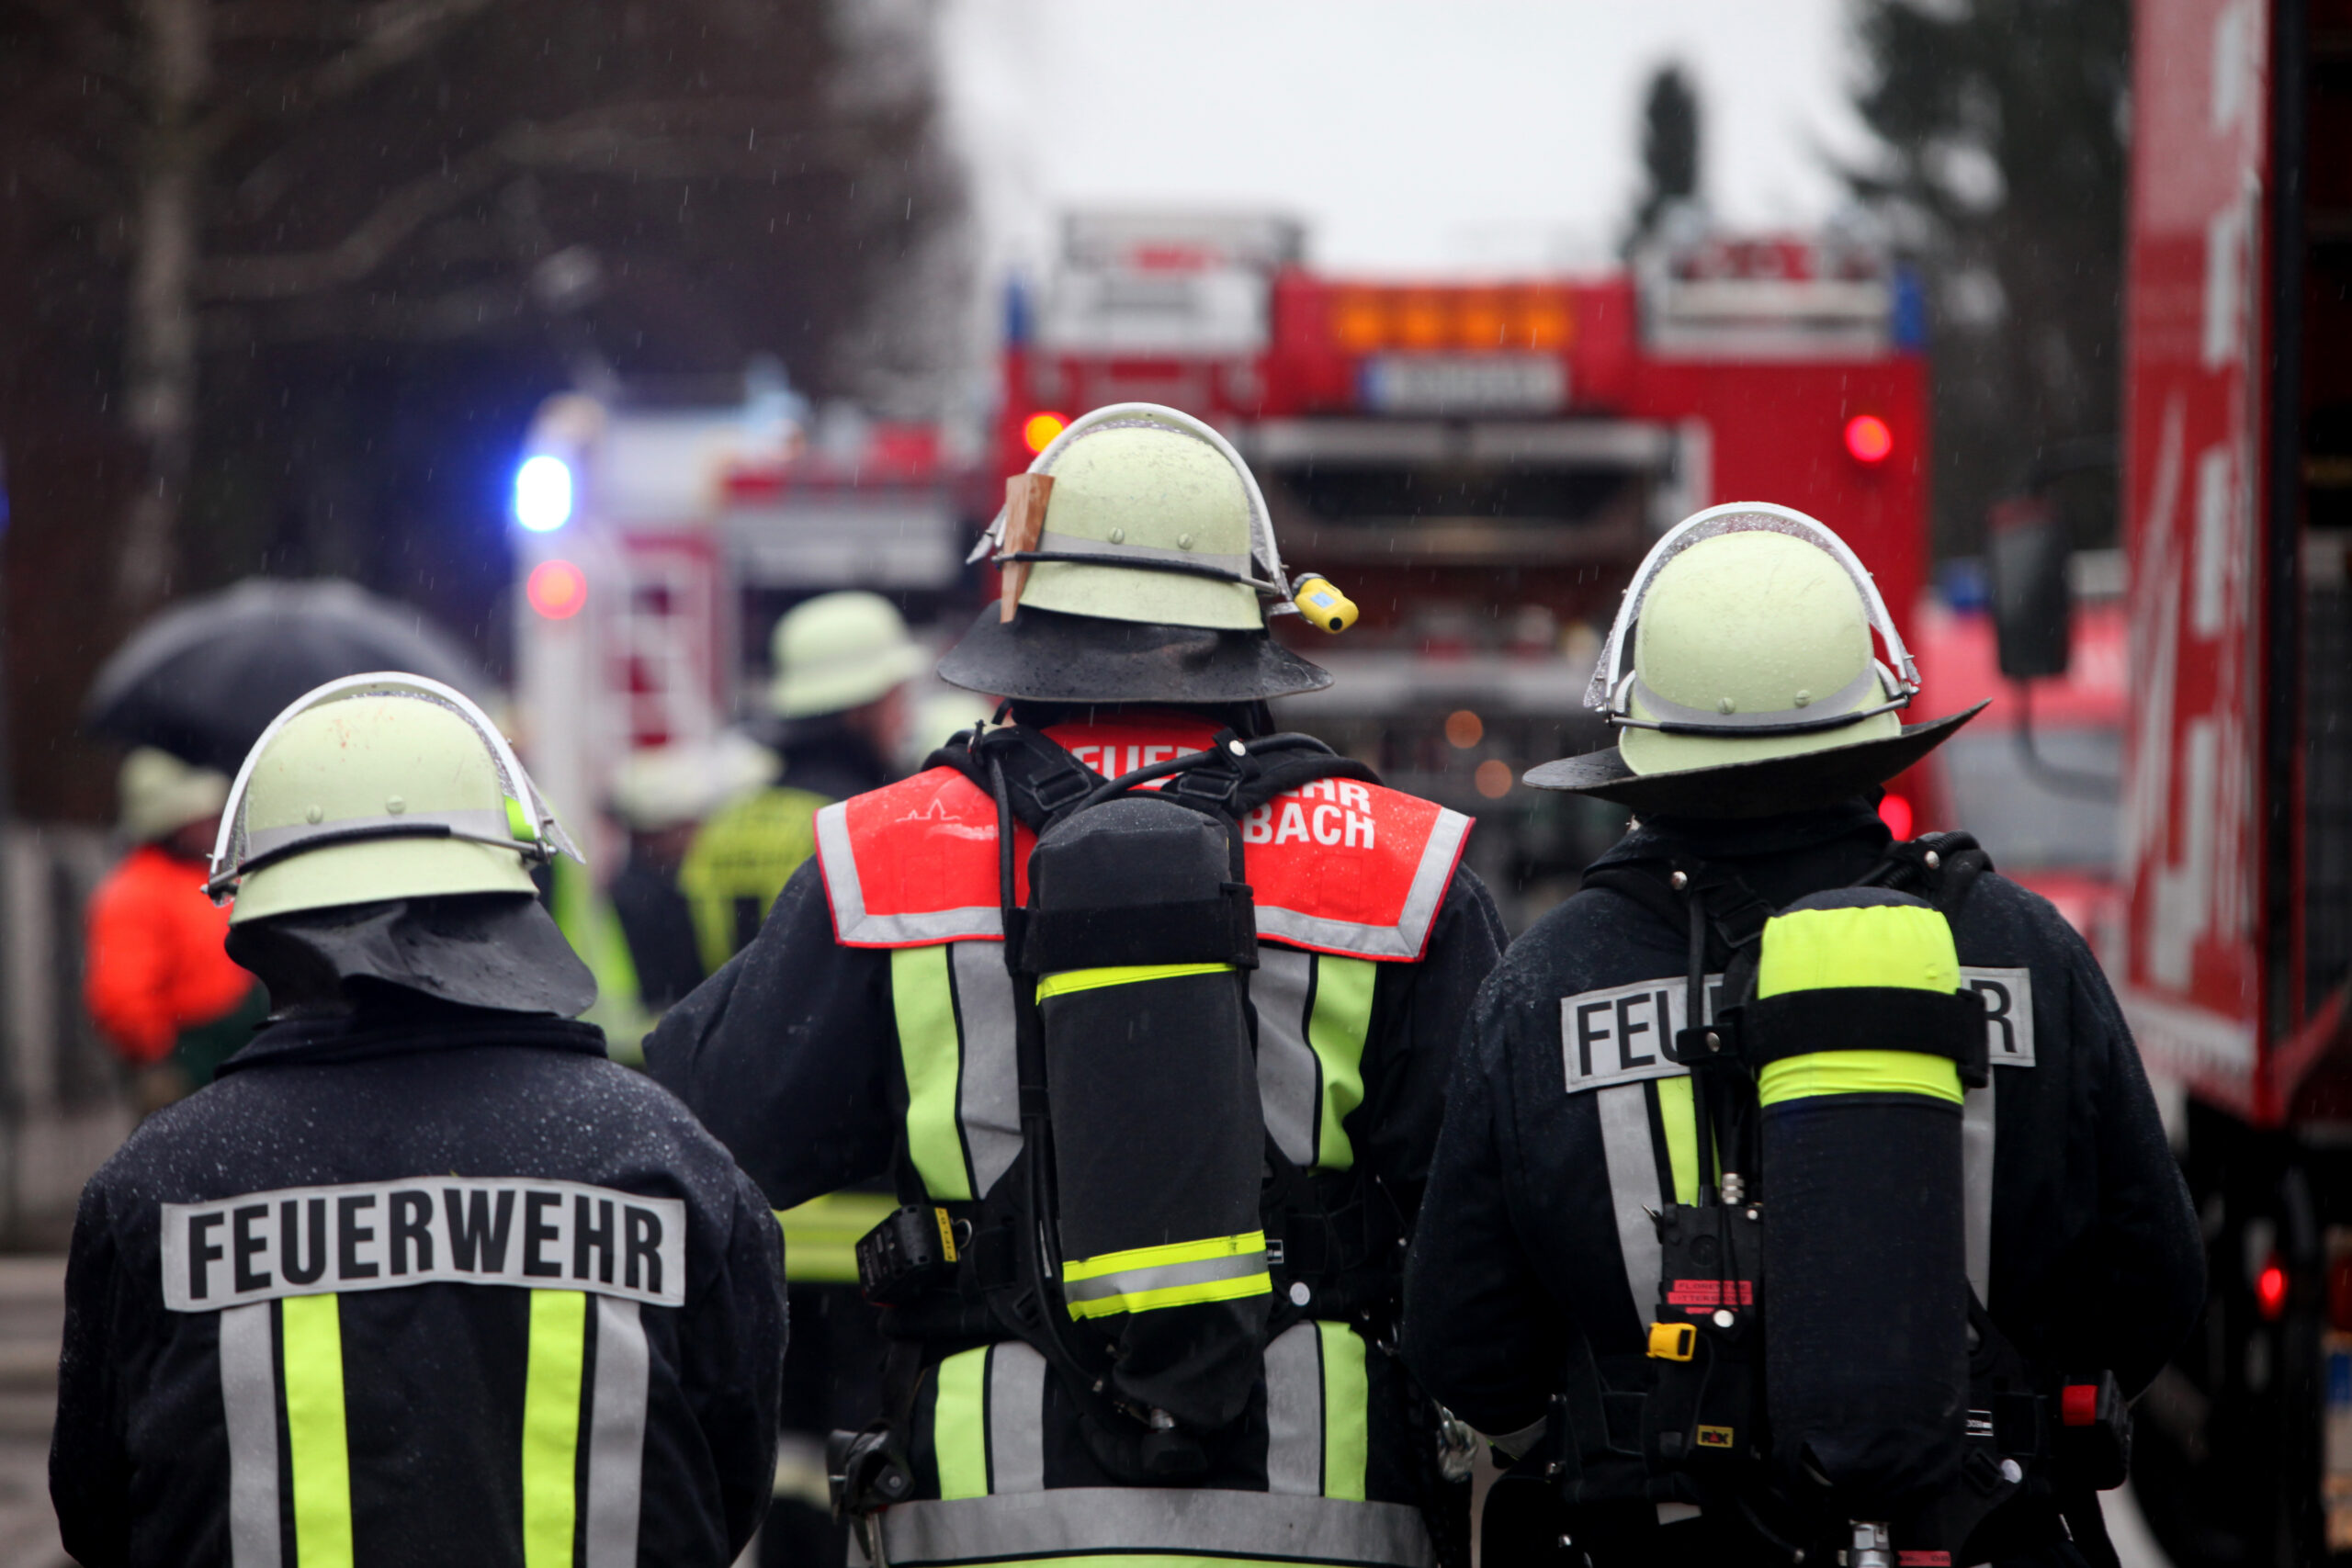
[(249, 1404), (1632, 1155), (1179, 1522), (1016, 1395), (1295, 1411), (1166, 1276), (616, 1435), (1976, 1119), (1290, 1078), (988, 1091)]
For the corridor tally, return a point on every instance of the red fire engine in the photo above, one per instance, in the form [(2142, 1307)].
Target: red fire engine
[(1480, 464), (2233, 933)]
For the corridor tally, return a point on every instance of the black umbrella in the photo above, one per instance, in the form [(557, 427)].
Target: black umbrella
[(204, 679)]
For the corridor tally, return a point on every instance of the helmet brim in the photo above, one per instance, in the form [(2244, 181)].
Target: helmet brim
[(1051, 655), (1763, 788)]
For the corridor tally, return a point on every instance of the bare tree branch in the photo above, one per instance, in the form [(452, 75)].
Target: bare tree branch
[(603, 142), (391, 34)]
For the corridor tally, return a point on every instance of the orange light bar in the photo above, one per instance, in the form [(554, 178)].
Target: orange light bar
[(1538, 318)]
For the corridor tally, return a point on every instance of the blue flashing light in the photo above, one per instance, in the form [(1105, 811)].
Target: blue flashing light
[(543, 493), (1909, 326)]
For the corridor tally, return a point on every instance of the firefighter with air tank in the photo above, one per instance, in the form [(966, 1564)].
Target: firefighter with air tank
[(1145, 1011), (1799, 1191)]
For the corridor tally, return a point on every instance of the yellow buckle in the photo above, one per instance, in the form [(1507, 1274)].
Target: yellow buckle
[(1673, 1341)]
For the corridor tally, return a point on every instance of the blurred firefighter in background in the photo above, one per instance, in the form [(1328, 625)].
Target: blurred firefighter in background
[(664, 796), (838, 704), (838, 707), (169, 999)]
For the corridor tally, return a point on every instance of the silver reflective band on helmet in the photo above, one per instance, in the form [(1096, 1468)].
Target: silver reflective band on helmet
[(526, 824), (1678, 719), (1614, 685), (1260, 569)]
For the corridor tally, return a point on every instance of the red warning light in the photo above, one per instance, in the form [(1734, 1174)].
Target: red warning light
[(1868, 438), (556, 589), (1037, 432), (2270, 1290), (1894, 811)]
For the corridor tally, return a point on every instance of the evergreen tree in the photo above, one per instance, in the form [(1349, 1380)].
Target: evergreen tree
[(1670, 149)]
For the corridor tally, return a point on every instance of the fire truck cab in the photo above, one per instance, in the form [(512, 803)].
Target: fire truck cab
[(1481, 464)]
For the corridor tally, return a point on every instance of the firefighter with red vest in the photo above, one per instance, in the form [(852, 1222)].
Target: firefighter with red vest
[(1124, 1319)]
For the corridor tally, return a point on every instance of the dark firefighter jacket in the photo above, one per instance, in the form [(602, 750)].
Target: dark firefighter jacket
[(2081, 1239), (819, 1066), (419, 1287)]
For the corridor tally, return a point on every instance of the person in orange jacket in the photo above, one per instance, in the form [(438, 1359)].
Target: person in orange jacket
[(158, 979)]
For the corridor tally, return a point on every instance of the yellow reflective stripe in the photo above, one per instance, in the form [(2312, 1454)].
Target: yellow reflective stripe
[(1157, 1256), (1905, 945), (1336, 1029), (558, 1349), (1257, 1284), (931, 1053), (959, 1424), (820, 1236), (1347, 1400), (1680, 1112), (317, 1442), (1858, 1072), (1070, 980)]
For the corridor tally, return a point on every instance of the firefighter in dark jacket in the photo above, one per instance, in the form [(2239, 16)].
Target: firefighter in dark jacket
[(874, 1027), (423, 1277), (1855, 1154)]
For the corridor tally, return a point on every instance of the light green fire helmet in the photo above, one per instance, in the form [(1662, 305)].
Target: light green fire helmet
[(838, 652), (1140, 566), (378, 788), (1742, 675)]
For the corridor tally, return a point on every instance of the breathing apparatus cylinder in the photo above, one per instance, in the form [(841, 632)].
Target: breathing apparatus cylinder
[(1140, 931), (1858, 1020)]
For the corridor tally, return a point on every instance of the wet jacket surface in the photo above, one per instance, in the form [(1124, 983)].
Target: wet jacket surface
[(2094, 1260), (469, 1403)]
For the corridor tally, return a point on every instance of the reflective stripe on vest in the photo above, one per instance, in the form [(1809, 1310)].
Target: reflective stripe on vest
[(1314, 1016), (1337, 865), (302, 1378), (954, 1009), (988, 1439), (1648, 1125), (952, 1005), (1158, 1525), (1146, 1279)]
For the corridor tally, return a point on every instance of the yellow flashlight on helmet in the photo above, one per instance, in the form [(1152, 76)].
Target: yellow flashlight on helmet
[(1323, 604)]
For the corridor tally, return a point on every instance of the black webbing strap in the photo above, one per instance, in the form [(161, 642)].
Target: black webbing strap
[(1938, 867), (1869, 1017)]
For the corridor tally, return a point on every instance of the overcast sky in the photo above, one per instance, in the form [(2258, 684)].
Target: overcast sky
[(1439, 136)]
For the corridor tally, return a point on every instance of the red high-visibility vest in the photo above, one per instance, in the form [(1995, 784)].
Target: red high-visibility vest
[(1335, 867)]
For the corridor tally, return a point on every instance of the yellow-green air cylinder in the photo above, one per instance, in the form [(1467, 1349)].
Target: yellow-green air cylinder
[(1859, 1021)]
